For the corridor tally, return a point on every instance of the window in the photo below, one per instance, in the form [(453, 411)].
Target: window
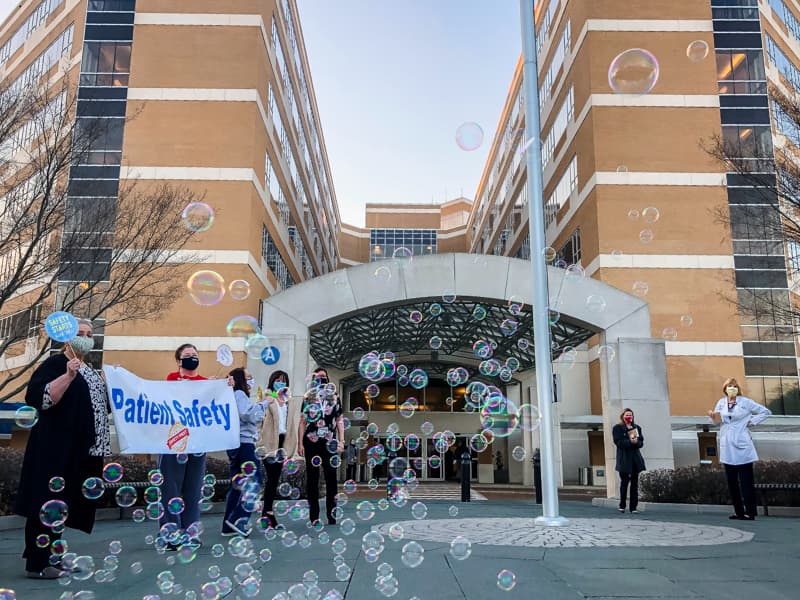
[(274, 260), (570, 252), (549, 80), (564, 188), (104, 140), (566, 113), (785, 125), (748, 141), (21, 325), (61, 46), (384, 242), (740, 72), (547, 19), (31, 24), (106, 64), (781, 62), (787, 16)]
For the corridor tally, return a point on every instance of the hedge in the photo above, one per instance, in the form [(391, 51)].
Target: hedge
[(706, 484)]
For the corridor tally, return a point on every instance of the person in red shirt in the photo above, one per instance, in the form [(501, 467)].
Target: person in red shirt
[(183, 473)]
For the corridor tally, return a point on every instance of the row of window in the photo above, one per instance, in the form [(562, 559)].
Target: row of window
[(563, 190), (398, 236), (561, 51), (565, 115), (31, 24), (34, 127), (783, 12), (60, 47), (781, 62), (546, 22), (21, 325), (272, 256)]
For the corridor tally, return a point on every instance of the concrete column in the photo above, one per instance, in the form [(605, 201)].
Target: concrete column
[(636, 379)]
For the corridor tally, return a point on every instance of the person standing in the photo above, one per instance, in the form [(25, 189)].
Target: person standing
[(352, 461), (236, 520), (183, 474), (734, 414), (69, 442), (278, 437), (629, 440), (320, 441)]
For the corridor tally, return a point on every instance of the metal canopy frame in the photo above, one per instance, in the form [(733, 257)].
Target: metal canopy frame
[(340, 343)]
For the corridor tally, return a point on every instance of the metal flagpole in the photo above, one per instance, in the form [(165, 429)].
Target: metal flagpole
[(541, 324)]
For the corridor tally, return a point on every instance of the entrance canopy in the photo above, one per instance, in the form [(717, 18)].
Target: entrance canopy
[(335, 319)]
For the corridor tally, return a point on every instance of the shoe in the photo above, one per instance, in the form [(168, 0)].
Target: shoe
[(194, 543), (270, 516), (170, 547), (737, 517), (634, 512), (749, 518), (46, 573), (230, 529), (622, 510)]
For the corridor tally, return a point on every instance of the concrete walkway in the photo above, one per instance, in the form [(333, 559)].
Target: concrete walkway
[(602, 555)]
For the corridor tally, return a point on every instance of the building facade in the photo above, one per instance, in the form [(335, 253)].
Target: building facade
[(215, 97), (634, 198)]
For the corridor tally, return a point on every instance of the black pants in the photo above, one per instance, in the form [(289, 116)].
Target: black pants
[(625, 479), (740, 484), (320, 449), (351, 471), (272, 469), (36, 559)]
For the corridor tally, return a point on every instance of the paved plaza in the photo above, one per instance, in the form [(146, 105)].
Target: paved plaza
[(602, 554)]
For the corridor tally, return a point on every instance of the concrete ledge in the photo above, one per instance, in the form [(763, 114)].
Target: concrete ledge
[(9, 522), (664, 507)]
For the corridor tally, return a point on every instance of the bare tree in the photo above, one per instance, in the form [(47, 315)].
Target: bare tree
[(767, 215), (96, 248)]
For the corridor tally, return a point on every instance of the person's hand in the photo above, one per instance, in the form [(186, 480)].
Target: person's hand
[(300, 451), (340, 447), (72, 367), (710, 413)]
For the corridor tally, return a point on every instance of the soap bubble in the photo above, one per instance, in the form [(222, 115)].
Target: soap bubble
[(448, 297), (435, 342), (549, 254), (426, 428), (633, 71), (633, 214), (646, 236), (506, 580), (255, 345), (412, 554), (697, 50), (53, 513), (435, 309), (206, 288), (242, 326), (26, 417), (606, 353), (92, 488), (479, 313), (382, 274), (622, 169), (402, 256), (415, 316), (640, 288), (669, 333), (197, 216), (112, 472), (419, 510), (56, 484), (650, 214), (595, 304), (469, 136), (176, 505), (239, 289), (126, 496), (460, 548), (509, 327), (687, 320), (453, 511), (518, 453)]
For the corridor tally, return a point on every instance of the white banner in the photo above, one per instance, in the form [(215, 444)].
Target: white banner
[(171, 417)]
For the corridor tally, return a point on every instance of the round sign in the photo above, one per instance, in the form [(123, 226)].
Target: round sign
[(225, 355), (270, 355), (61, 326)]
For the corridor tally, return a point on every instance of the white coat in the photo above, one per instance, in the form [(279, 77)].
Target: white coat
[(735, 443)]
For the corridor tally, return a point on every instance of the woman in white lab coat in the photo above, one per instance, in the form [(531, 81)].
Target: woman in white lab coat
[(734, 413)]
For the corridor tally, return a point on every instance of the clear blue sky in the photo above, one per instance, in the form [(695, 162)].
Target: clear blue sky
[(394, 80)]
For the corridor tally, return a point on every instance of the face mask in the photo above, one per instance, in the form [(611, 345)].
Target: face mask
[(251, 383), (732, 391), (628, 419), (190, 363), (278, 385), (81, 345)]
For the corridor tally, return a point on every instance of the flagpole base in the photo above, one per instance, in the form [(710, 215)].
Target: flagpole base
[(551, 521)]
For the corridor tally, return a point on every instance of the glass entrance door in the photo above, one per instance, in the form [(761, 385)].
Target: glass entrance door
[(434, 461)]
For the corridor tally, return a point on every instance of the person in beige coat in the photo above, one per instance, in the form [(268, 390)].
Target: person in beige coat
[(278, 436)]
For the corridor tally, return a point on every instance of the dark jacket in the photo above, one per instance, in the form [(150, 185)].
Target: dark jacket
[(59, 445), (629, 458)]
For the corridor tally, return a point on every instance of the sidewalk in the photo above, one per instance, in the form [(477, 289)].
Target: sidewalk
[(603, 554)]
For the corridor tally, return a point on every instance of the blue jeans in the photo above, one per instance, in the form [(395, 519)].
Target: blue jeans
[(233, 507), (182, 481)]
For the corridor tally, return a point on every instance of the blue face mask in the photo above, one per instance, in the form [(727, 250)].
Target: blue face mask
[(278, 385)]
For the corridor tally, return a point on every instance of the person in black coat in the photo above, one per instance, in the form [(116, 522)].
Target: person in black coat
[(68, 441), (628, 439)]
